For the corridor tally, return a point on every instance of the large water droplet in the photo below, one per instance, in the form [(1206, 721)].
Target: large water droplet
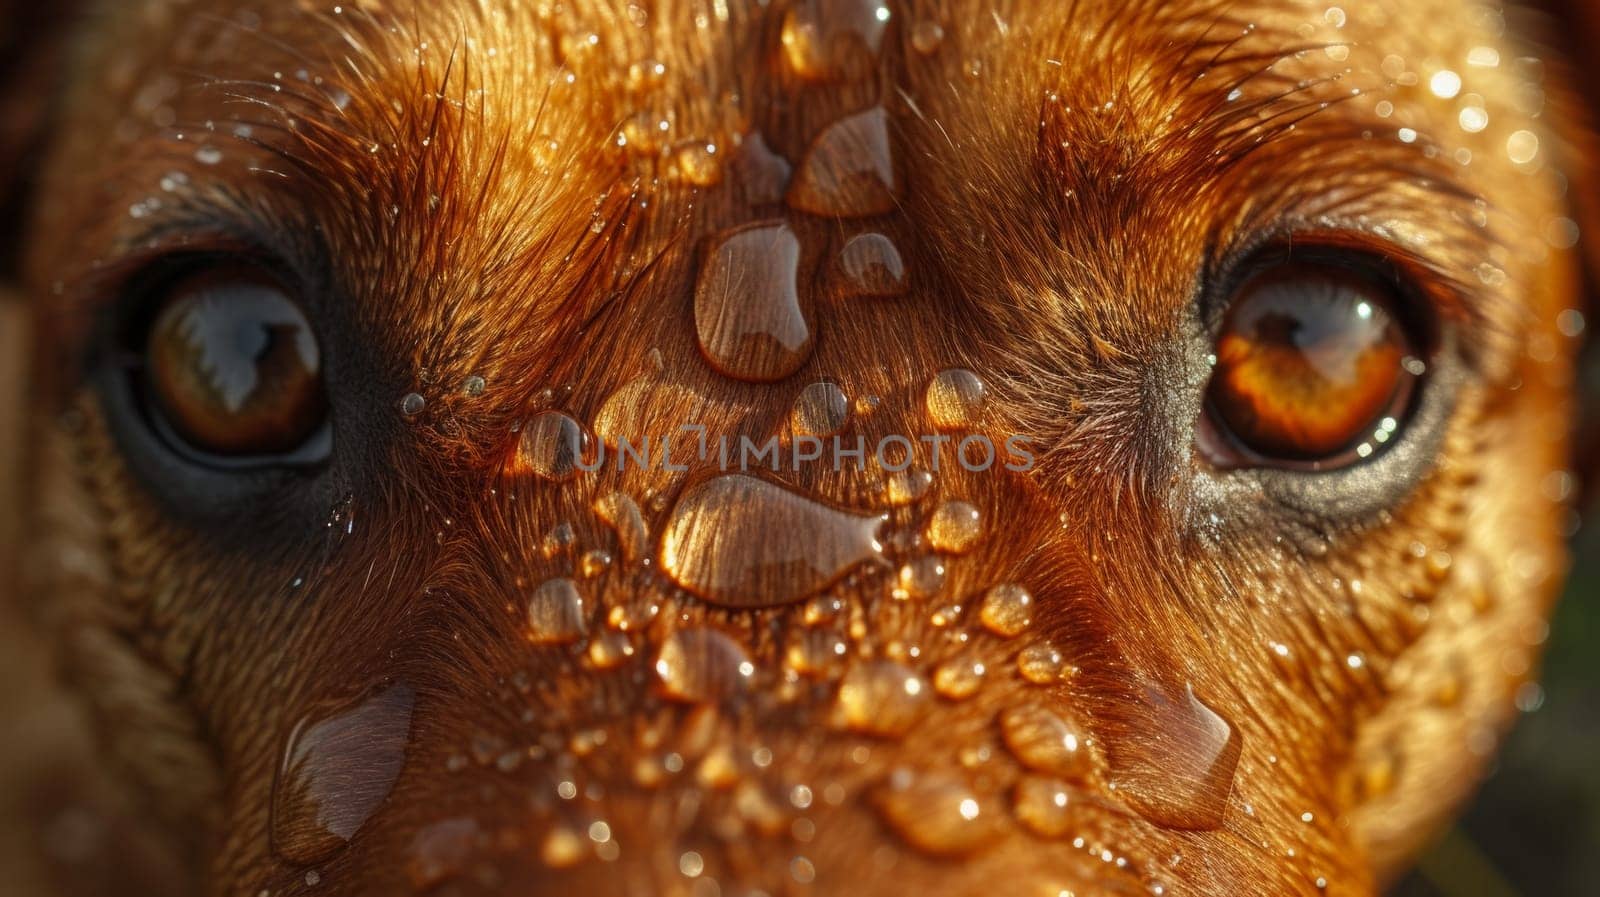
[(955, 399), (956, 526), (1176, 761), (555, 613), (338, 767), (849, 170), (1007, 609), (937, 814), (827, 39), (552, 445), (1044, 805), (702, 665), (1044, 741), (821, 409), (881, 697), (746, 304), (870, 265), (742, 542)]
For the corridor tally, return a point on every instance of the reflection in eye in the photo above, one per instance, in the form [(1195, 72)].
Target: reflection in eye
[(233, 366), (1312, 361)]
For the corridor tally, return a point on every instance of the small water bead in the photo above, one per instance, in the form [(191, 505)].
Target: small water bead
[(412, 403), (553, 445), (1176, 767), (870, 266), (849, 171), (881, 697), (1041, 740), (906, 486), (473, 386), (821, 409), (955, 399), (738, 541), (1044, 805), (833, 39), (594, 562), (815, 652), (555, 613), (921, 577), (958, 678), (1040, 663), (702, 665), (926, 36), (338, 767), (621, 513), (208, 155), (956, 526), (937, 814), (1007, 609), (747, 309), (610, 649), (698, 163)]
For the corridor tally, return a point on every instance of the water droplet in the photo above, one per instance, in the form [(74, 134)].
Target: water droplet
[(555, 613), (610, 649), (1044, 805), (922, 577), (621, 513), (702, 665), (833, 39), (1007, 609), (955, 527), (850, 170), (881, 697), (412, 403), (937, 814), (955, 399), (926, 36), (815, 652), (553, 445), (821, 409), (338, 767), (1040, 663), (208, 155), (698, 163), (870, 266), (1043, 741), (762, 173), (906, 486), (747, 306), (958, 678), (1176, 764), (738, 541), (473, 386)]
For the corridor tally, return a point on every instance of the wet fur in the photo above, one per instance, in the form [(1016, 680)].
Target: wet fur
[(468, 214)]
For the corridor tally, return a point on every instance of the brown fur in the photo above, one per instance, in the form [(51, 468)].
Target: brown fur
[(1072, 172)]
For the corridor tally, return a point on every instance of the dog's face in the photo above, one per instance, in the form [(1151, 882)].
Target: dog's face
[(1262, 309)]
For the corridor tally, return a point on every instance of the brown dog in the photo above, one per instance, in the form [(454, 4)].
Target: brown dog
[(1262, 311)]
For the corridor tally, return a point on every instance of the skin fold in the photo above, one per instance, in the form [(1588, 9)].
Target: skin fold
[(507, 216)]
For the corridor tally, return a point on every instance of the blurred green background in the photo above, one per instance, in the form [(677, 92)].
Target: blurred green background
[(1534, 829)]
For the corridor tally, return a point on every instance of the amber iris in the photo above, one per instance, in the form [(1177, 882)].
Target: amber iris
[(1310, 359), (233, 366)]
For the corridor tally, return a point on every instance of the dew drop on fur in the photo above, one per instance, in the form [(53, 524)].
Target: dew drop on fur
[(702, 665), (747, 310), (1042, 740), (833, 39), (738, 541), (1007, 609), (338, 768), (821, 409), (937, 814), (870, 266), (850, 170), (1175, 761), (555, 613), (955, 399), (553, 445), (955, 528), (881, 697)]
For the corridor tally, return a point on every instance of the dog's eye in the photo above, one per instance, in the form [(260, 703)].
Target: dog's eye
[(232, 368), (1315, 367)]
